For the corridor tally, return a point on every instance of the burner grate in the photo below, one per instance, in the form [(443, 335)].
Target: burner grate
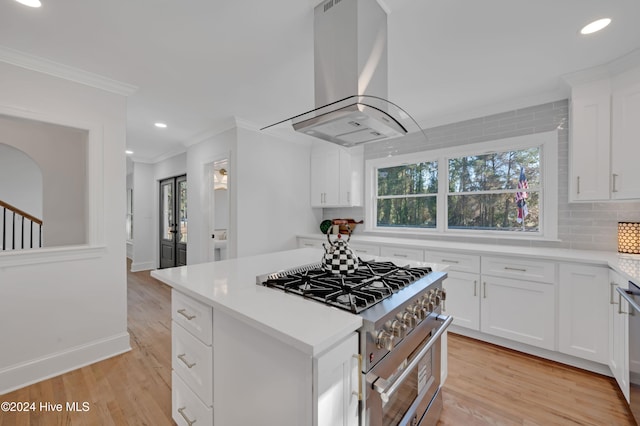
[(371, 283)]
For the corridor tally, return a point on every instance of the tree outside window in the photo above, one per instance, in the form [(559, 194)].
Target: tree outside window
[(483, 191), (407, 195)]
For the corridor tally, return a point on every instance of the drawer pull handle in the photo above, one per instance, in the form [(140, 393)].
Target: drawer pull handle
[(484, 284), (184, 416), (475, 288), (450, 261), (184, 313), (507, 268), (183, 358), (399, 255)]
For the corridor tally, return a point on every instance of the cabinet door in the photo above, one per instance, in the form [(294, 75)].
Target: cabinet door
[(325, 177), (584, 311), (463, 301), (625, 148), (590, 141), (318, 183), (618, 338), (522, 311), (402, 253), (351, 174), (337, 378)]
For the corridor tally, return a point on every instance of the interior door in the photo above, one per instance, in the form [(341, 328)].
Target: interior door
[(173, 222)]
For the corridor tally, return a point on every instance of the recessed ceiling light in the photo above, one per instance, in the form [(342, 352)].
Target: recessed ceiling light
[(161, 125), (595, 26), (30, 3), (128, 152)]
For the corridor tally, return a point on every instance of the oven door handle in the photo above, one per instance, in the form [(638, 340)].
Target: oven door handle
[(626, 295), (385, 389)]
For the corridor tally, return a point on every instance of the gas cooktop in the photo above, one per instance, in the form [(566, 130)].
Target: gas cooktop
[(371, 283)]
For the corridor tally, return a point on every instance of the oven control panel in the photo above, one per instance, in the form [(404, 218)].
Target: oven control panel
[(405, 321)]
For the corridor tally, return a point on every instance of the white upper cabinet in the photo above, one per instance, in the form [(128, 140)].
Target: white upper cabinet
[(336, 176), (590, 141), (605, 128), (625, 139)]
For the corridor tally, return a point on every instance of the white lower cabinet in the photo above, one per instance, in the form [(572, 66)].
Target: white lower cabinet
[(191, 361), (252, 378), (522, 311), (402, 253), (187, 409), (336, 384), (584, 311), (618, 334), (463, 301)]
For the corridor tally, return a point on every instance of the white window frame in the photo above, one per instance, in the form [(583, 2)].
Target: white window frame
[(548, 227)]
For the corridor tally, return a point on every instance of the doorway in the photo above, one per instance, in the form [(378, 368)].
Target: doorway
[(173, 222)]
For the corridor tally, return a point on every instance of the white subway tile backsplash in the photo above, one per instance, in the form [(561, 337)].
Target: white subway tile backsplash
[(589, 226)]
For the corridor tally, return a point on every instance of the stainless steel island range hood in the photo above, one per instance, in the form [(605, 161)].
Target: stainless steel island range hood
[(350, 64)]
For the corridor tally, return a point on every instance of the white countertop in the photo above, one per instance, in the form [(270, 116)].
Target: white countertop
[(230, 286), (625, 264)]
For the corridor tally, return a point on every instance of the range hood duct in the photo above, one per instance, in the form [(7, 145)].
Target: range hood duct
[(351, 78)]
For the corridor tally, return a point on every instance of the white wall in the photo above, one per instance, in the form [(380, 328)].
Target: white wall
[(61, 308), (273, 185), (61, 154), (142, 257), (20, 180)]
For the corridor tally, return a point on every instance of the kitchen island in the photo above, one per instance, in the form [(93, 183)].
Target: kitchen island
[(246, 354)]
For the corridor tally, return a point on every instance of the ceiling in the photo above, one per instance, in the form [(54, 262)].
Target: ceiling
[(200, 64)]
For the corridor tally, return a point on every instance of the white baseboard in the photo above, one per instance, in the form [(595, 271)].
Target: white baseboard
[(35, 370), (142, 266), (573, 361)]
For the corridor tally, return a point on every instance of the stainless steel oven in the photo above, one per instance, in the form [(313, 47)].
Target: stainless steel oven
[(402, 325), (404, 387), (632, 296)]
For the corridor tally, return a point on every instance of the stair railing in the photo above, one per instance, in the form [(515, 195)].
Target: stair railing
[(13, 228)]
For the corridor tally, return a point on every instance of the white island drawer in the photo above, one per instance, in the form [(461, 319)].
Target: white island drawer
[(193, 362), (192, 315), (531, 270), (187, 409), (402, 253), (456, 261)]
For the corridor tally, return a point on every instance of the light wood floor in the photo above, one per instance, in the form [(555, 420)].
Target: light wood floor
[(487, 385)]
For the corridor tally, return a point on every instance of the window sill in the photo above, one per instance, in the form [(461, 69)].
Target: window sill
[(49, 255), (457, 235)]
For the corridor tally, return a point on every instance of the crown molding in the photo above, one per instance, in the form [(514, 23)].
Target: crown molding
[(606, 70), (46, 66)]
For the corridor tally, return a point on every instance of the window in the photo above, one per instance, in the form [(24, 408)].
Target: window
[(499, 191), (506, 187), (407, 195)]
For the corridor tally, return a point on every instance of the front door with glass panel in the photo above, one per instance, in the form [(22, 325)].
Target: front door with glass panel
[(173, 222)]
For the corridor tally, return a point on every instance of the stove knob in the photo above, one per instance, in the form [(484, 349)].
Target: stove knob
[(438, 299), (418, 311), (384, 340), (408, 319), (443, 294), (398, 329)]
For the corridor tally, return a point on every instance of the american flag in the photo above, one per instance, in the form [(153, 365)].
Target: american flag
[(521, 197)]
